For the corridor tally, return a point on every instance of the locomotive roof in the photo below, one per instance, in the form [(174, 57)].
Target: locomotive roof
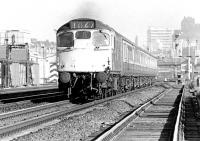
[(101, 25), (98, 24)]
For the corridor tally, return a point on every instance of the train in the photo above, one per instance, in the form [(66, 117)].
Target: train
[(95, 61)]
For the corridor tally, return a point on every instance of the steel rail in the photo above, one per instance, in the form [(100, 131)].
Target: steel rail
[(36, 95), (121, 126), (29, 89), (31, 109), (28, 93), (48, 117), (178, 134)]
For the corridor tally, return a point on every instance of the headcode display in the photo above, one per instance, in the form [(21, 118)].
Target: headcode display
[(78, 24)]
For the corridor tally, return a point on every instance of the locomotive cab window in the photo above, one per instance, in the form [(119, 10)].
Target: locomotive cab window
[(83, 35), (100, 39), (65, 39)]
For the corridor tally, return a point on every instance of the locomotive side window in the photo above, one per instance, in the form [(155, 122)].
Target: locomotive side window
[(83, 35), (130, 54), (65, 39), (125, 52), (149, 61), (137, 57), (100, 39), (142, 58)]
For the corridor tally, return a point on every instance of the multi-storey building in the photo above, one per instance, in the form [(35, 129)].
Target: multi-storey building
[(26, 61), (159, 41)]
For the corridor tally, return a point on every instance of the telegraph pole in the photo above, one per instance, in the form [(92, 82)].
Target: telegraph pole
[(6, 80), (28, 74)]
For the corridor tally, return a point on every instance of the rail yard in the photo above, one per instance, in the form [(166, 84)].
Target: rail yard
[(160, 112), (53, 115)]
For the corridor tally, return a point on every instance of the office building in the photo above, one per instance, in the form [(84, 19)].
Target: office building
[(159, 41)]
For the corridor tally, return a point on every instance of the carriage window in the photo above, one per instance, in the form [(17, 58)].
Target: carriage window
[(83, 35), (65, 39), (100, 39)]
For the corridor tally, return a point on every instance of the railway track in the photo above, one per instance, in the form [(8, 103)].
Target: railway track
[(14, 120), (8, 107), (189, 125), (154, 120), (34, 94), (18, 126)]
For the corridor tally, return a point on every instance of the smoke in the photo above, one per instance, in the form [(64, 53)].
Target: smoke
[(88, 9)]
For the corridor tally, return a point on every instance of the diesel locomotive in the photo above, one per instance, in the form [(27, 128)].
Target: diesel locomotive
[(96, 61)]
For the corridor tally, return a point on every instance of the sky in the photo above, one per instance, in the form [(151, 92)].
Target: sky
[(131, 18)]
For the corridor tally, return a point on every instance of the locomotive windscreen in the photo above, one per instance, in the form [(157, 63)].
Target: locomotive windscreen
[(83, 35), (65, 39), (82, 24), (100, 39)]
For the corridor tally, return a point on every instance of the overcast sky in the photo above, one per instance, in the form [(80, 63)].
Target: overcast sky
[(129, 17)]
